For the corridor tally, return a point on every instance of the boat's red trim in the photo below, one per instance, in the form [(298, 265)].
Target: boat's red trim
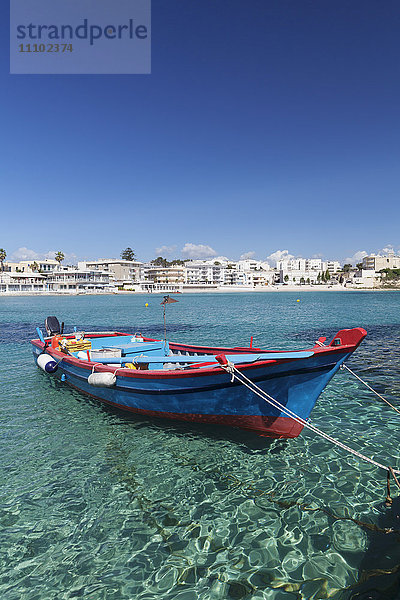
[(351, 338), (275, 427), (161, 374)]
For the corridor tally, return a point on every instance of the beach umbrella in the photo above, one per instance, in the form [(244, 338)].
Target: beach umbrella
[(166, 300)]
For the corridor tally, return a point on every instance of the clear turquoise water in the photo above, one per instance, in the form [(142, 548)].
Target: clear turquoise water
[(99, 505)]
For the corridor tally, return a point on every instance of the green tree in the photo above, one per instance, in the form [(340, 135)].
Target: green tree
[(359, 266), (319, 278), (286, 278), (59, 257), (3, 255), (35, 267), (308, 281), (128, 254), (302, 281), (346, 267), (391, 274), (327, 275), (160, 262)]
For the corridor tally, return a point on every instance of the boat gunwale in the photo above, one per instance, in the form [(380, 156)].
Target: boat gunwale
[(194, 372)]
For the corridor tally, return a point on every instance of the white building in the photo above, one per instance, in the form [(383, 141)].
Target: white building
[(333, 266), (233, 276), (257, 273), (364, 278), (72, 280), (377, 263), (122, 273), (204, 272), (162, 279), (305, 270), (226, 273), (47, 265), (19, 283)]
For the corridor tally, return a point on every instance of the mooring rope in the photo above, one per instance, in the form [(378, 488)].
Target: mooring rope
[(255, 493), (236, 374), (343, 366), (58, 361)]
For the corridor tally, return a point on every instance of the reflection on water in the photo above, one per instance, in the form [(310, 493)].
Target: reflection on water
[(102, 505)]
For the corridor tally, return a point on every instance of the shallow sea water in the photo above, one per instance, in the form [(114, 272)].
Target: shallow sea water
[(96, 504)]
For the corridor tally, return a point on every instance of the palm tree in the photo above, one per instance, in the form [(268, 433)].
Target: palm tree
[(59, 257), (3, 255)]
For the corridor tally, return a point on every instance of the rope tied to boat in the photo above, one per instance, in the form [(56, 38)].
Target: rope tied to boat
[(241, 378), (229, 368), (343, 366)]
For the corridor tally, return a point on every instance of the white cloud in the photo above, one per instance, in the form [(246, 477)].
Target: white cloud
[(24, 254), (279, 255), (28, 254), (247, 255), (165, 250), (387, 250), (70, 258), (197, 251), (356, 258), (222, 258)]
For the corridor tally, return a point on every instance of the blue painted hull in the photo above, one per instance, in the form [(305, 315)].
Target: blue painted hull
[(209, 396)]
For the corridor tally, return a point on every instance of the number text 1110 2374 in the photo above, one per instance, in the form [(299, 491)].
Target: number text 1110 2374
[(45, 47)]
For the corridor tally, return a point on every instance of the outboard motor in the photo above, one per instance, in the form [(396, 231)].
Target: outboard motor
[(53, 327)]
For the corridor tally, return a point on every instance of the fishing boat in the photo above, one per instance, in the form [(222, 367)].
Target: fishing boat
[(195, 383)]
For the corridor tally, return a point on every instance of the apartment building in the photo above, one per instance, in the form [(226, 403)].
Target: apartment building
[(377, 262), (300, 270), (13, 282), (162, 279), (47, 265), (221, 272), (121, 272), (204, 272), (73, 280)]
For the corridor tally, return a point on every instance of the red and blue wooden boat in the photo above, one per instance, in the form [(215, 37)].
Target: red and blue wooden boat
[(183, 381)]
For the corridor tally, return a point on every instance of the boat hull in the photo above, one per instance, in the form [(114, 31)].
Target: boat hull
[(209, 395)]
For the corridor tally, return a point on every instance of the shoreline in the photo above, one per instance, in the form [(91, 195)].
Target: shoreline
[(234, 290)]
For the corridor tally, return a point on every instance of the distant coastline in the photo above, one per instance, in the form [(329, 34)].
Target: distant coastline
[(232, 290)]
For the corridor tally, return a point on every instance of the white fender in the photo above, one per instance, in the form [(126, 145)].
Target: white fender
[(47, 363), (102, 379)]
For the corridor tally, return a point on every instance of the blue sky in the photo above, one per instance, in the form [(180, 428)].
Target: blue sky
[(264, 126)]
